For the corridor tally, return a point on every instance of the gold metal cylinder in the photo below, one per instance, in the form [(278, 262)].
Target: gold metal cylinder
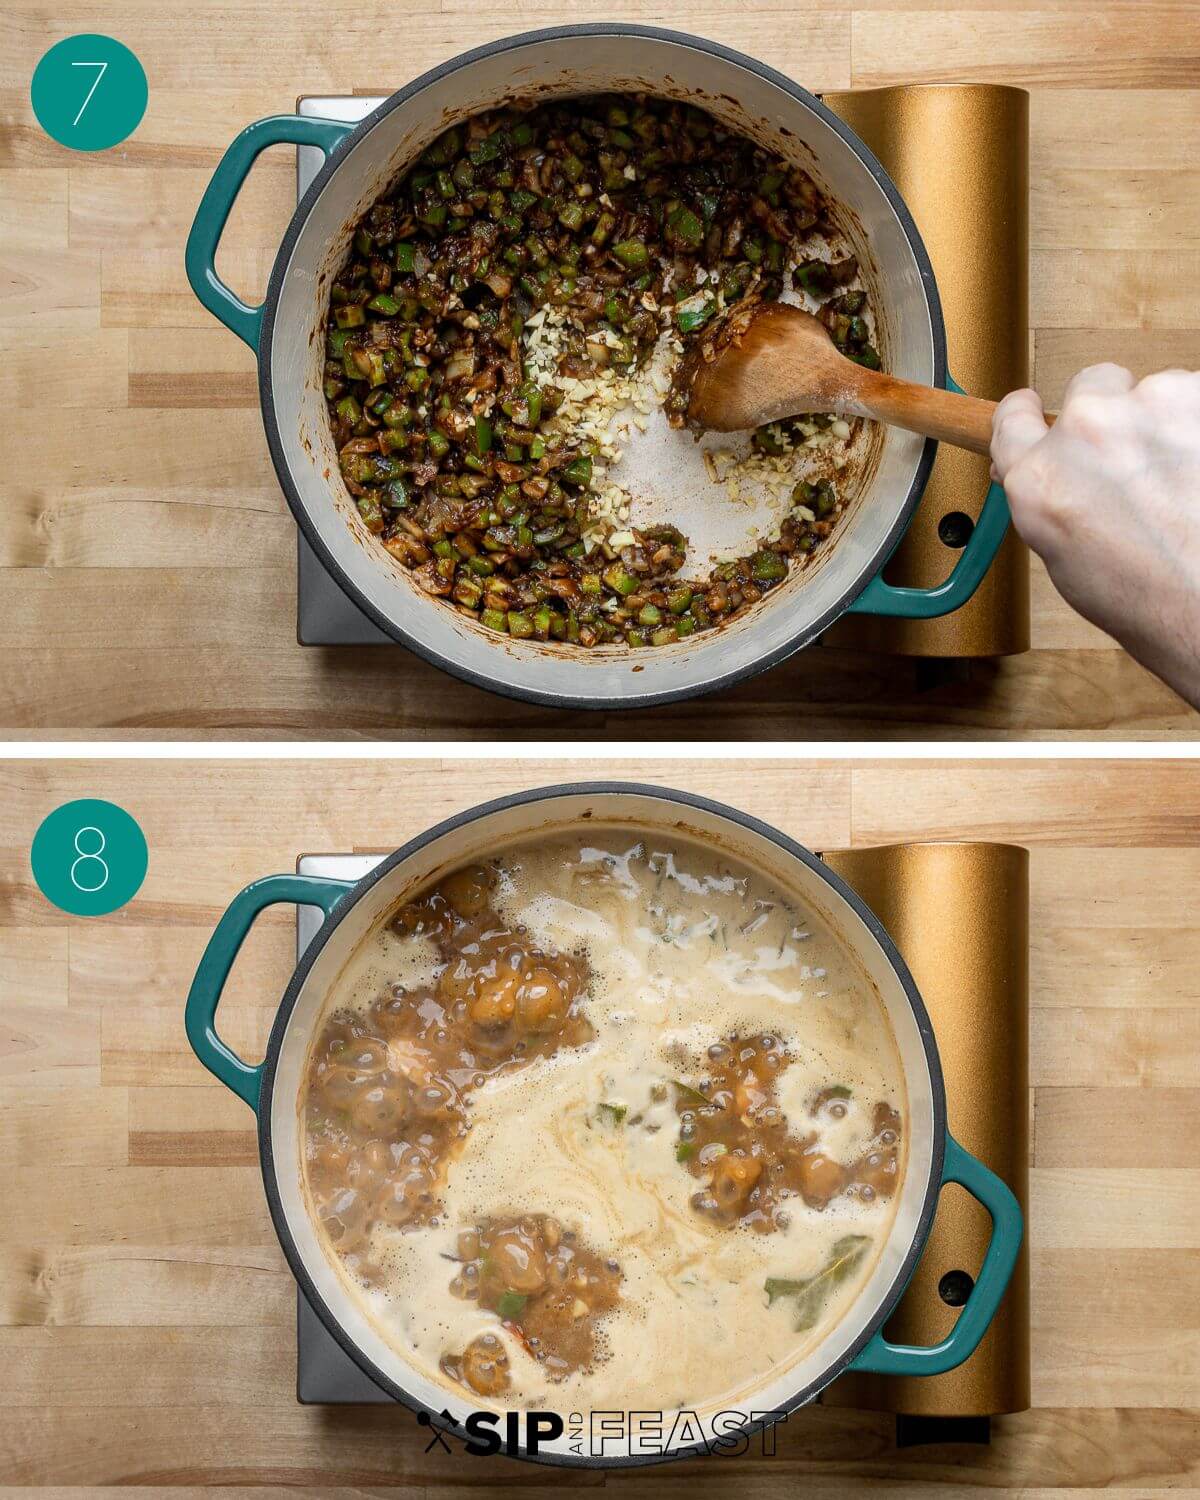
[(959, 913), (959, 154)]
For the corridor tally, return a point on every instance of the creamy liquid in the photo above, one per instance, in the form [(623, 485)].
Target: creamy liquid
[(684, 947)]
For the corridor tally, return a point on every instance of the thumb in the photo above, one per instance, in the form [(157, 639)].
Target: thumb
[(1018, 424)]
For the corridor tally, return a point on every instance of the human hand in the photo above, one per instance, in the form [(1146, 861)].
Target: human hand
[(1109, 498)]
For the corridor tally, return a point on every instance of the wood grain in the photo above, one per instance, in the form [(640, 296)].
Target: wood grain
[(1152, 1351), (147, 556), (135, 1286), (1111, 46), (146, 1313)]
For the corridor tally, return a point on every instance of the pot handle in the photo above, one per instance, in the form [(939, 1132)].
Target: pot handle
[(881, 1358), (230, 933), (219, 196), (879, 598)]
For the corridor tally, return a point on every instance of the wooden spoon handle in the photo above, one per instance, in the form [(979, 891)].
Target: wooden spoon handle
[(965, 421)]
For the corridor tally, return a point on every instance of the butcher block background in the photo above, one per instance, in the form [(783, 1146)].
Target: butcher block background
[(146, 1313), (147, 558)]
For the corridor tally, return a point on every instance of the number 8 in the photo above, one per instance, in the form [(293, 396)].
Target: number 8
[(86, 856)]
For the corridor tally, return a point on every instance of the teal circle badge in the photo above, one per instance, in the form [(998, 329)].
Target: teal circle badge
[(89, 92), (89, 857)]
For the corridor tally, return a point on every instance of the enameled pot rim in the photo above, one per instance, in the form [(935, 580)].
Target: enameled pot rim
[(600, 789), (807, 632)]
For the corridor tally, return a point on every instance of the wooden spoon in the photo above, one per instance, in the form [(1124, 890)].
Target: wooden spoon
[(780, 361)]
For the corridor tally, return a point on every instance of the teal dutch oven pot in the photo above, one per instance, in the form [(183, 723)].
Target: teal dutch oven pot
[(354, 915), (361, 162)]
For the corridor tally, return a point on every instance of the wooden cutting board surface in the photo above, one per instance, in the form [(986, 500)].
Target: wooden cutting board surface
[(146, 1313), (147, 558)]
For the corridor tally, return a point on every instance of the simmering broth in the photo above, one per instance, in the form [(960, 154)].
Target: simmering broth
[(609, 1121)]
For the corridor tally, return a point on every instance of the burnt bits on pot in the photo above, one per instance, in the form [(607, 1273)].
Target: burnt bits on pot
[(533, 275)]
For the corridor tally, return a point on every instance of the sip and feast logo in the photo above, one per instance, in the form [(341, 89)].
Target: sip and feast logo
[(602, 1434)]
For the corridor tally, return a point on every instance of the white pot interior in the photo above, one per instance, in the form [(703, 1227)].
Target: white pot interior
[(551, 67), (484, 835)]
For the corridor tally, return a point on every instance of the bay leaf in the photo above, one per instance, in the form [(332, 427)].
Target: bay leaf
[(812, 1292)]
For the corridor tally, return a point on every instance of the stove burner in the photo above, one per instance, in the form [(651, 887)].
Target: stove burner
[(325, 1373), (325, 615)]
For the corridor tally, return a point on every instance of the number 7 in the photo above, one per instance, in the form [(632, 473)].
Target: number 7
[(103, 66)]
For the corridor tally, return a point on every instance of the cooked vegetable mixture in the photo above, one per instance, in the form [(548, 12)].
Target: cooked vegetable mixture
[(549, 1288), (531, 257), (752, 1159), (387, 1093)]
